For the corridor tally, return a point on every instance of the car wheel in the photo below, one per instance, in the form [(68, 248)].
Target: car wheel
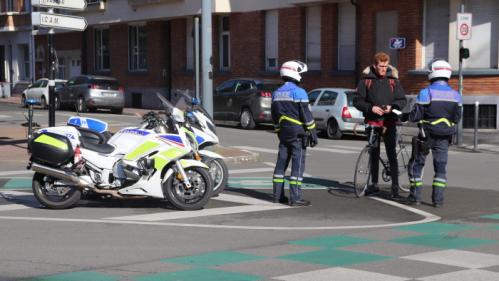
[(246, 120), (43, 103), (23, 101), (80, 105), (57, 103), (333, 130)]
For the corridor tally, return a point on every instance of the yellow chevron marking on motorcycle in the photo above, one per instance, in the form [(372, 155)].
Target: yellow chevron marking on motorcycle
[(165, 157), (52, 141), (186, 163), (143, 148)]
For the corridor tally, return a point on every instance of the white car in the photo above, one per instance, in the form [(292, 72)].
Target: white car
[(334, 112), (39, 91)]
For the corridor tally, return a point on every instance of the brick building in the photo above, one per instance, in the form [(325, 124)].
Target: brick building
[(148, 45)]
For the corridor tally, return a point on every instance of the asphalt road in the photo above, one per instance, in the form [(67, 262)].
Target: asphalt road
[(137, 240)]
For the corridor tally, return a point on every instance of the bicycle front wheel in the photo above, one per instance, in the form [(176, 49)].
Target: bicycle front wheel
[(404, 156), (362, 174)]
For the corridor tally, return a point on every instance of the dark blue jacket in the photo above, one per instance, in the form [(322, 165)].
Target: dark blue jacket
[(437, 107), (290, 112)]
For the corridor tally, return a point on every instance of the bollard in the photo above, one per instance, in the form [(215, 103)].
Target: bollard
[(475, 135)]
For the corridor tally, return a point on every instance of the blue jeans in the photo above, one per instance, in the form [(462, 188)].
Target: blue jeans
[(294, 152)]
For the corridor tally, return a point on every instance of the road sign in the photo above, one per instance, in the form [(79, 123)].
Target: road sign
[(464, 26), (58, 21), (61, 4), (397, 43)]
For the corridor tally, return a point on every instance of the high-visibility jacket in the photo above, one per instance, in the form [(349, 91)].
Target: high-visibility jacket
[(437, 107), (290, 112)]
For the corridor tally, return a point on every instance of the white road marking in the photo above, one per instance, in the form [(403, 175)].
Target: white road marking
[(249, 171), (258, 149), (242, 199), (4, 116), (273, 166), (151, 219), (13, 207), (18, 172), (201, 213), (355, 148)]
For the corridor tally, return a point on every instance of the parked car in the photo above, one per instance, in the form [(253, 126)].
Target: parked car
[(90, 92), (244, 100), (334, 113), (40, 91)]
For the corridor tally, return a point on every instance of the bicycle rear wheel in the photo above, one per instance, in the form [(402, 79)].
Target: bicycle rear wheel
[(362, 174), (403, 161)]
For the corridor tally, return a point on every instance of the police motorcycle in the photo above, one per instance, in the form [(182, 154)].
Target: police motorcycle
[(196, 120), (202, 125), (152, 164)]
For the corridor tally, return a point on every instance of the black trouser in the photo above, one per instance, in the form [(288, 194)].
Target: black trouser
[(390, 139)]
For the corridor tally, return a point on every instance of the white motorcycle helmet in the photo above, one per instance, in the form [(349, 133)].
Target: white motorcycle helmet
[(439, 68), (292, 69)]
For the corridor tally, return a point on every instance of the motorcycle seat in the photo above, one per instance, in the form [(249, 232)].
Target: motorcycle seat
[(89, 141)]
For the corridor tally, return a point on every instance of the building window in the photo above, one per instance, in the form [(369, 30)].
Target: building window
[(61, 71), (483, 44), (346, 36), (10, 5), (271, 40), (224, 53), (26, 65), (102, 62), (313, 33), (189, 44), (137, 48), (487, 116), (436, 41)]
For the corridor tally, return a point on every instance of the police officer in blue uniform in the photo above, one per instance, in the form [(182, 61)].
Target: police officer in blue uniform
[(437, 110), (295, 127)]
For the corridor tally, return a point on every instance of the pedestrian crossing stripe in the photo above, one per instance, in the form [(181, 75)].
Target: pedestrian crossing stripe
[(266, 183)]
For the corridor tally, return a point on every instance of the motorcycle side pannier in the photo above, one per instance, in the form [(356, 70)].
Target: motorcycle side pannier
[(51, 149)]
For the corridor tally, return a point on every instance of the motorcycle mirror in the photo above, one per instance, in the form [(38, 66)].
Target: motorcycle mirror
[(195, 101)]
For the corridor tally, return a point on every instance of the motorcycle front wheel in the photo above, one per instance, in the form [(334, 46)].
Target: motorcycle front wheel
[(54, 196), (193, 198), (219, 174)]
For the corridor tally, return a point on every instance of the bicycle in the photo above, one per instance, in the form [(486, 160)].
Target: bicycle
[(362, 176)]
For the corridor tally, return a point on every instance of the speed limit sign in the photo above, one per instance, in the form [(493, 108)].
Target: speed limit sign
[(464, 26)]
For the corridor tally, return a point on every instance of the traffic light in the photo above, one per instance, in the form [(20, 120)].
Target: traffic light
[(464, 53)]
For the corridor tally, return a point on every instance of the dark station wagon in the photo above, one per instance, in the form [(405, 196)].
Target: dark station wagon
[(244, 100)]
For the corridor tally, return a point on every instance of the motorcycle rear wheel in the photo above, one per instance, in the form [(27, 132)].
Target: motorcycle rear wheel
[(194, 198), (219, 174), (61, 197)]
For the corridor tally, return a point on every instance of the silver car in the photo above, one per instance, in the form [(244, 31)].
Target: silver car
[(39, 91), (89, 92), (334, 112)]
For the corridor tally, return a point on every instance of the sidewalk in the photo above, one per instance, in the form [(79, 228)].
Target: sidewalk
[(13, 141)]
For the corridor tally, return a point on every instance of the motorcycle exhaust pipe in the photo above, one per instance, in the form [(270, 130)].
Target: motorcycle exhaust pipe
[(60, 174)]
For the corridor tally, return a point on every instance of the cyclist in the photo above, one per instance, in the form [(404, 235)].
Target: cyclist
[(377, 94), (292, 120), (437, 110)]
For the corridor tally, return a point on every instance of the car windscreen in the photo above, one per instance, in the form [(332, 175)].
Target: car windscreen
[(350, 96), (58, 84), (106, 84)]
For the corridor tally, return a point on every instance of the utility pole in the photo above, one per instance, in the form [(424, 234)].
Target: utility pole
[(207, 56)]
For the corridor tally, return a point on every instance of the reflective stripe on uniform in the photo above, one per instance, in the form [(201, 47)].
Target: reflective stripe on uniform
[(439, 184), (284, 117), (438, 121)]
